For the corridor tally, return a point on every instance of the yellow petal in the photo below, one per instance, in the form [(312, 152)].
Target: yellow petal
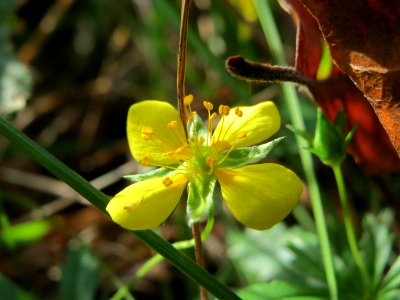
[(148, 203), (260, 196), (155, 133), (256, 124)]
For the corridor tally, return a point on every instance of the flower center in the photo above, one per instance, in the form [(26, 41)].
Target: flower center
[(205, 148)]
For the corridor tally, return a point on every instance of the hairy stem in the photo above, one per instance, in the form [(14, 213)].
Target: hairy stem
[(180, 86), (180, 76)]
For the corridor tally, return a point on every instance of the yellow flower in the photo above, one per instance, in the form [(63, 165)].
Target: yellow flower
[(258, 195)]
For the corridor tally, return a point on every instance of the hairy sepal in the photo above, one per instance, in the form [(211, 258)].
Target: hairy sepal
[(248, 155), (159, 172), (200, 197)]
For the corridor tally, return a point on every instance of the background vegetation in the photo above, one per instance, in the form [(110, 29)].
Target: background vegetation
[(69, 70)]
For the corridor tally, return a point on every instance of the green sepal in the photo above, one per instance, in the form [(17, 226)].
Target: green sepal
[(247, 155), (340, 122), (159, 172), (200, 197), (329, 143), (350, 134), (197, 127)]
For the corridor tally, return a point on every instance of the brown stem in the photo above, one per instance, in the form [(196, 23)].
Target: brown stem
[(180, 85), (198, 250), (180, 78)]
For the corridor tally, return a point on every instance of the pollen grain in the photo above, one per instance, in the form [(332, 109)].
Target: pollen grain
[(167, 181)]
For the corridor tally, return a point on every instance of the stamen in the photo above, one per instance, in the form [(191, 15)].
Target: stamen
[(188, 99), (145, 161), (167, 181), (224, 110), (208, 105), (210, 161), (147, 133), (182, 150), (241, 135), (238, 112), (191, 115), (173, 125)]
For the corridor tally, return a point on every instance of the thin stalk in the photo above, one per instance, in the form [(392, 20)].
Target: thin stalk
[(275, 44), (180, 86), (180, 76), (198, 250), (351, 237)]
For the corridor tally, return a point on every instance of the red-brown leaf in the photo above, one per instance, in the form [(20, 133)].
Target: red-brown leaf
[(364, 40), (371, 146)]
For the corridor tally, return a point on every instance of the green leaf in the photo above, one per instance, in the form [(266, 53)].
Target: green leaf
[(276, 290), (377, 244), (79, 279), (10, 291), (159, 172), (200, 198), (100, 200), (247, 155), (284, 254), (391, 281), (26, 232)]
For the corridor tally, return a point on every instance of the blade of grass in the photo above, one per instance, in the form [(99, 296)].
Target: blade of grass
[(100, 200), (275, 44)]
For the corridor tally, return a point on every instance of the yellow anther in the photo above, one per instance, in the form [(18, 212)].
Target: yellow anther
[(182, 150), (147, 133), (208, 105), (224, 110), (238, 112), (213, 115), (145, 161), (173, 125), (167, 181), (191, 115), (188, 99), (241, 135), (210, 161)]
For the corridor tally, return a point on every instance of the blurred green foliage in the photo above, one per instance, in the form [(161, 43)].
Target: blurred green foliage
[(89, 61)]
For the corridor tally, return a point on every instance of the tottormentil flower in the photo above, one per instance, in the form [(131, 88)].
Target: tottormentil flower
[(258, 195)]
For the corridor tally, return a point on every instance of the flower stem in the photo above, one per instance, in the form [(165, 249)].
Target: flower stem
[(198, 250), (351, 237), (180, 86), (275, 44), (180, 76)]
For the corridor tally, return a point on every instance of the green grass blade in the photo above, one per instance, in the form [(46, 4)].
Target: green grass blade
[(100, 200), (276, 47)]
